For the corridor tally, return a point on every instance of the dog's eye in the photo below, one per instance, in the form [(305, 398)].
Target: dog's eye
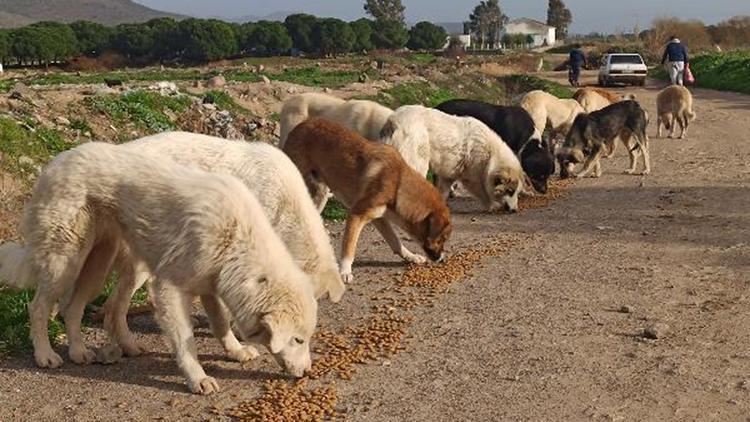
[(299, 340), (510, 191)]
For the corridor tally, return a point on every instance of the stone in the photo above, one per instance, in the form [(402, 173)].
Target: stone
[(265, 80), (656, 331), (217, 82), (62, 121)]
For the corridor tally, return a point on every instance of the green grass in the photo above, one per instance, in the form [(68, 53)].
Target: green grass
[(14, 322), (519, 84), (335, 211), (422, 58), (7, 84), (720, 71), (147, 110), (24, 147), (140, 297), (80, 124), (315, 76), (413, 93), (224, 101), (143, 75)]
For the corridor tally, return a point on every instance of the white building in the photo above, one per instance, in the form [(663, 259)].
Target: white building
[(463, 40), (543, 34)]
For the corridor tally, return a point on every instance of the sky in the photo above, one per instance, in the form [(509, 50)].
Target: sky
[(605, 16)]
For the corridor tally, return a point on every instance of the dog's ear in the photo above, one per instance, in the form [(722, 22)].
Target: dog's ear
[(278, 339)]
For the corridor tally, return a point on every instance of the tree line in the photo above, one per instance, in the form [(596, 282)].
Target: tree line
[(203, 40)]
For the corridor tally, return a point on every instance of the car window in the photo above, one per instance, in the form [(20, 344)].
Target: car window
[(626, 59)]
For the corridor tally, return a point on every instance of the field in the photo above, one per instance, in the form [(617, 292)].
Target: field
[(619, 298)]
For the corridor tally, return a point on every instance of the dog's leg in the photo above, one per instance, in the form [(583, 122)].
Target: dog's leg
[(591, 161), (386, 230), (659, 121), (133, 275), (684, 123), (90, 282), (57, 274), (646, 153), (173, 314), (360, 214), (672, 125), (217, 316), (611, 147), (444, 187)]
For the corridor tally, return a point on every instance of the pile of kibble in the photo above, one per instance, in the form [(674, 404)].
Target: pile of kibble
[(556, 189), (284, 401)]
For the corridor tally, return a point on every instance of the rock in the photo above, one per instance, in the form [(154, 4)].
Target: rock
[(656, 331), (744, 385), (265, 79), (626, 309), (62, 121), (24, 160), (164, 88), (209, 106), (217, 82), (363, 78), (261, 68), (261, 122), (15, 95), (252, 127), (327, 90)]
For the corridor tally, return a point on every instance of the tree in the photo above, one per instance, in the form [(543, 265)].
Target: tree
[(362, 29), (43, 42), (692, 32), (300, 28), (266, 38), (486, 22), (733, 33), (386, 10), (333, 36), (133, 40), (93, 38), (390, 35), (168, 43), (206, 40), (560, 17), (427, 36)]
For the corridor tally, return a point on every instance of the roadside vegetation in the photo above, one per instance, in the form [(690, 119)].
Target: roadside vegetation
[(720, 71)]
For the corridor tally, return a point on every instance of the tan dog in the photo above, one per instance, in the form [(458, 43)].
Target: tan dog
[(674, 106), (375, 183)]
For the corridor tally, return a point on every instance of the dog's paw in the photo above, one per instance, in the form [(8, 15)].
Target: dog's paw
[(48, 359), (132, 348), (82, 356), (414, 258), (109, 354), (646, 172), (243, 354), (628, 171), (205, 386), (347, 277)]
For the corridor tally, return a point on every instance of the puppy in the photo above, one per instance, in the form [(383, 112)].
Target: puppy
[(199, 234), (514, 126), (592, 133), (375, 183), (457, 149)]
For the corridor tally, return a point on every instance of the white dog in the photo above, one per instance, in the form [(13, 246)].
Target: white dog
[(364, 117), (200, 234), (545, 108), (282, 193), (457, 149)]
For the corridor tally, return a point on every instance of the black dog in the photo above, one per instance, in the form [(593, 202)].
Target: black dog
[(593, 134), (515, 127)]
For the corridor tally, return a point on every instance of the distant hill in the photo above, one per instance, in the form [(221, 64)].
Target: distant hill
[(275, 16), (14, 13)]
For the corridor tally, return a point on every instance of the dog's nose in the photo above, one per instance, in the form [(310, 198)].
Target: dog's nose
[(440, 259)]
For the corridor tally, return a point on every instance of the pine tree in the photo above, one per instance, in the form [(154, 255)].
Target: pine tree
[(486, 23), (386, 10), (560, 17)]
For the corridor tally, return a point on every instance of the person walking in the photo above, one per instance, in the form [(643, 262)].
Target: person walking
[(675, 59), (577, 60)]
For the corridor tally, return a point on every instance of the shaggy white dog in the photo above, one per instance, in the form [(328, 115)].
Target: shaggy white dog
[(364, 117), (457, 149), (275, 181), (545, 108), (199, 234)]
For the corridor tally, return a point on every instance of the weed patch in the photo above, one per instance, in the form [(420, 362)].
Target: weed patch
[(519, 84), (24, 147), (14, 322), (335, 211), (147, 110)]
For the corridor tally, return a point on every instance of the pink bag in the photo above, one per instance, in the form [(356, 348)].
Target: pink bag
[(689, 78)]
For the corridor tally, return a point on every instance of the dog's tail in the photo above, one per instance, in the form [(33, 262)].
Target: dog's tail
[(15, 269), (691, 115)]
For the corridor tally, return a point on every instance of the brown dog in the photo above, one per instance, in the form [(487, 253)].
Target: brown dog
[(375, 183)]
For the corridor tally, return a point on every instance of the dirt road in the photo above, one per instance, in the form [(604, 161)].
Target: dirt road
[(549, 329)]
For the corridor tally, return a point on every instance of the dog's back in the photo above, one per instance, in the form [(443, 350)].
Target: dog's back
[(676, 100), (301, 107)]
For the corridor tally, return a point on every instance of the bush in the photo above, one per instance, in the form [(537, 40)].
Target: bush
[(427, 36), (265, 38), (413, 93), (722, 71), (333, 37)]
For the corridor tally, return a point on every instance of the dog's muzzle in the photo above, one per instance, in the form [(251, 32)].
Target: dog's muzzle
[(435, 256)]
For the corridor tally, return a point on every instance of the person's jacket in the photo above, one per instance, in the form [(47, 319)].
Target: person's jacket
[(577, 58), (675, 52)]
